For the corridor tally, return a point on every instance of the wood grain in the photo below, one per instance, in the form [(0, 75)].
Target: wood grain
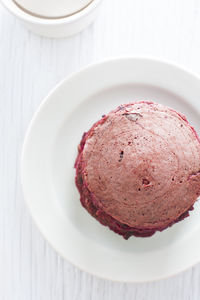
[(29, 67)]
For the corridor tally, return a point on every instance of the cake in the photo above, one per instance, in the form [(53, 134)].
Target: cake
[(138, 169)]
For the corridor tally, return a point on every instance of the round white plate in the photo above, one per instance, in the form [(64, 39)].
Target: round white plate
[(48, 173)]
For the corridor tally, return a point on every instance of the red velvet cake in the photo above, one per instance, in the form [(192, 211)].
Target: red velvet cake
[(138, 169)]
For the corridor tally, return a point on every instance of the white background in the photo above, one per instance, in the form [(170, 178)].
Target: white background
[(29, 67)]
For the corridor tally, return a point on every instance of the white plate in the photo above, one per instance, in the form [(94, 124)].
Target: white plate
[(50, 150)]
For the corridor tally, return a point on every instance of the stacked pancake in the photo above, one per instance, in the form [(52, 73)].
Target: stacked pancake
[(138, 169)]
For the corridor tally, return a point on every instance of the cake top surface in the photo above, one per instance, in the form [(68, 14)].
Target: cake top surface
[(141, 163)]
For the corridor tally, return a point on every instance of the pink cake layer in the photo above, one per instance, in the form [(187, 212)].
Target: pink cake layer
[(138, 169)]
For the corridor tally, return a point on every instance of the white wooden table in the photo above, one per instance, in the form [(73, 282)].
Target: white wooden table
[(29, 67)]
